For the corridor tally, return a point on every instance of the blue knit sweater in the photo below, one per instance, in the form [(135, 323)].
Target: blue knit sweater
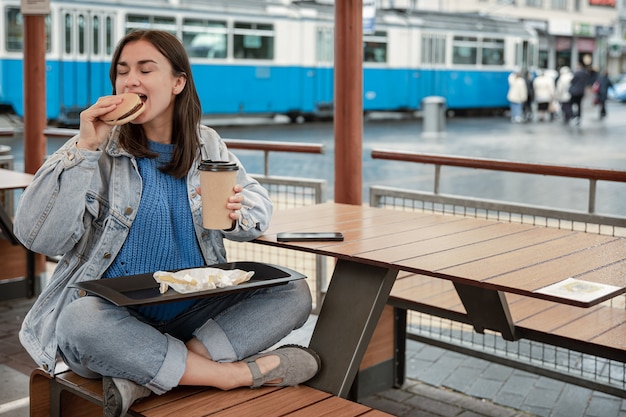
[(162, 235)]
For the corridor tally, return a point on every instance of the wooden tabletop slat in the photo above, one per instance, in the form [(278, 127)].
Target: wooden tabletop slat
[(432, 291), (596, 322), (590, 263), (524, 307), (558, 317), (614, 274), (613, 338), (485, 260), (408, 241), (444, 249)]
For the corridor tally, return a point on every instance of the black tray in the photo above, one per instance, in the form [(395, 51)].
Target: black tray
[(143, 289)]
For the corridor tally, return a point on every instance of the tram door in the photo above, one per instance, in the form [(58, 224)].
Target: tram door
[(526, 55), (432, 60), (324, 78), (87, 43)]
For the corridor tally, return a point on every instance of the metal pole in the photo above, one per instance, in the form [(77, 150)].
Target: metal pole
[(34, 92), (348, 107), (592, 196)]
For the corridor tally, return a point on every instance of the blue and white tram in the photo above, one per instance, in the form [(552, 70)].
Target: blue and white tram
[(465, 58), (252, 57)]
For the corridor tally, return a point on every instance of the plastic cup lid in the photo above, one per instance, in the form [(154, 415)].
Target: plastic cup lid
[(208, 165)]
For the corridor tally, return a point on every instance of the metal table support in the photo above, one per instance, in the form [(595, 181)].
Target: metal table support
[(357, 293)]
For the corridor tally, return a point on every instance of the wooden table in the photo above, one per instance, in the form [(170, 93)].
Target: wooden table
[(9, 181), (483, 258)]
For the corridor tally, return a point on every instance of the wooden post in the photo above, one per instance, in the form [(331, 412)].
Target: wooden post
[(348, 107), (35, 118), (34, 92)]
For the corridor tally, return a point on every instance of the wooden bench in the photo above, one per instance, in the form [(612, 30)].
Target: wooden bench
[(598, 330), (70, 395)]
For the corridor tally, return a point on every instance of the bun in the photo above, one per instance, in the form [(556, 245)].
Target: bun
[(130, 107)]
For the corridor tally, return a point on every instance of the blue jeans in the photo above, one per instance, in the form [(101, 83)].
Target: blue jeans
[(97, 338), (516, 110)]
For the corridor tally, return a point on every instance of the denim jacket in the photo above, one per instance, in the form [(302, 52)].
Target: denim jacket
[(81, 205)]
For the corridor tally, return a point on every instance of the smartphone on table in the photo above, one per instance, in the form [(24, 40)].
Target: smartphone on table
[(310, 236)]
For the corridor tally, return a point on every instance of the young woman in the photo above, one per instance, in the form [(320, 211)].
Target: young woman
[(124, 200)]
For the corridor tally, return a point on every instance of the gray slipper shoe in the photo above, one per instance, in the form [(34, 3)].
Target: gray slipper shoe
[(298, 364), (119, 394)]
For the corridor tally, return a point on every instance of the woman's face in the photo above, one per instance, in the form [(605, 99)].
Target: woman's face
[(142, 69)]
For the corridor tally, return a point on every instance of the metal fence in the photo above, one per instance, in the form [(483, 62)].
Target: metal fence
[(571, 366)]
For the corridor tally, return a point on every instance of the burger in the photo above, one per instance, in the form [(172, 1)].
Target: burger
[(130, 107)]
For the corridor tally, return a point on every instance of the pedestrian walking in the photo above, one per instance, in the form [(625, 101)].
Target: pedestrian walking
[(562, 94), (543, 87), (604, 83), (577, 90), (517, 96), (530, 97)]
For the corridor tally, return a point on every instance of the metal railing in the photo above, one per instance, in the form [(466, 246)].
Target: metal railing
[(571, 366)]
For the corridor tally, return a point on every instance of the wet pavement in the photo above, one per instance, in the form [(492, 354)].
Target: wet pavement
[(439, 382)]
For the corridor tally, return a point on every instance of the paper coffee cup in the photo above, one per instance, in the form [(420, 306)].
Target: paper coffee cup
[(217, 179)]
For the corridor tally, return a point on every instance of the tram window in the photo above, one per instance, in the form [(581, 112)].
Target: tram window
[(109, 36), (253, 40), (375, 47), (205, 38), (464, 50), (325, 45), (81, 34), (68, 33), (96, 35), (13, 35), (534, 3), (135, 21), (433, 49), (493, 52)]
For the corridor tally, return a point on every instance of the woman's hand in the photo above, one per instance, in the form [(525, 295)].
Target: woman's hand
[(93, 131), (234, 201)]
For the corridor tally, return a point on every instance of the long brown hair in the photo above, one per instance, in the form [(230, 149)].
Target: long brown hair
[(187, 109)]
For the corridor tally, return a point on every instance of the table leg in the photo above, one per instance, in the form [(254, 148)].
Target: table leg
[(487, 309), (30, 274), (352, 307)]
